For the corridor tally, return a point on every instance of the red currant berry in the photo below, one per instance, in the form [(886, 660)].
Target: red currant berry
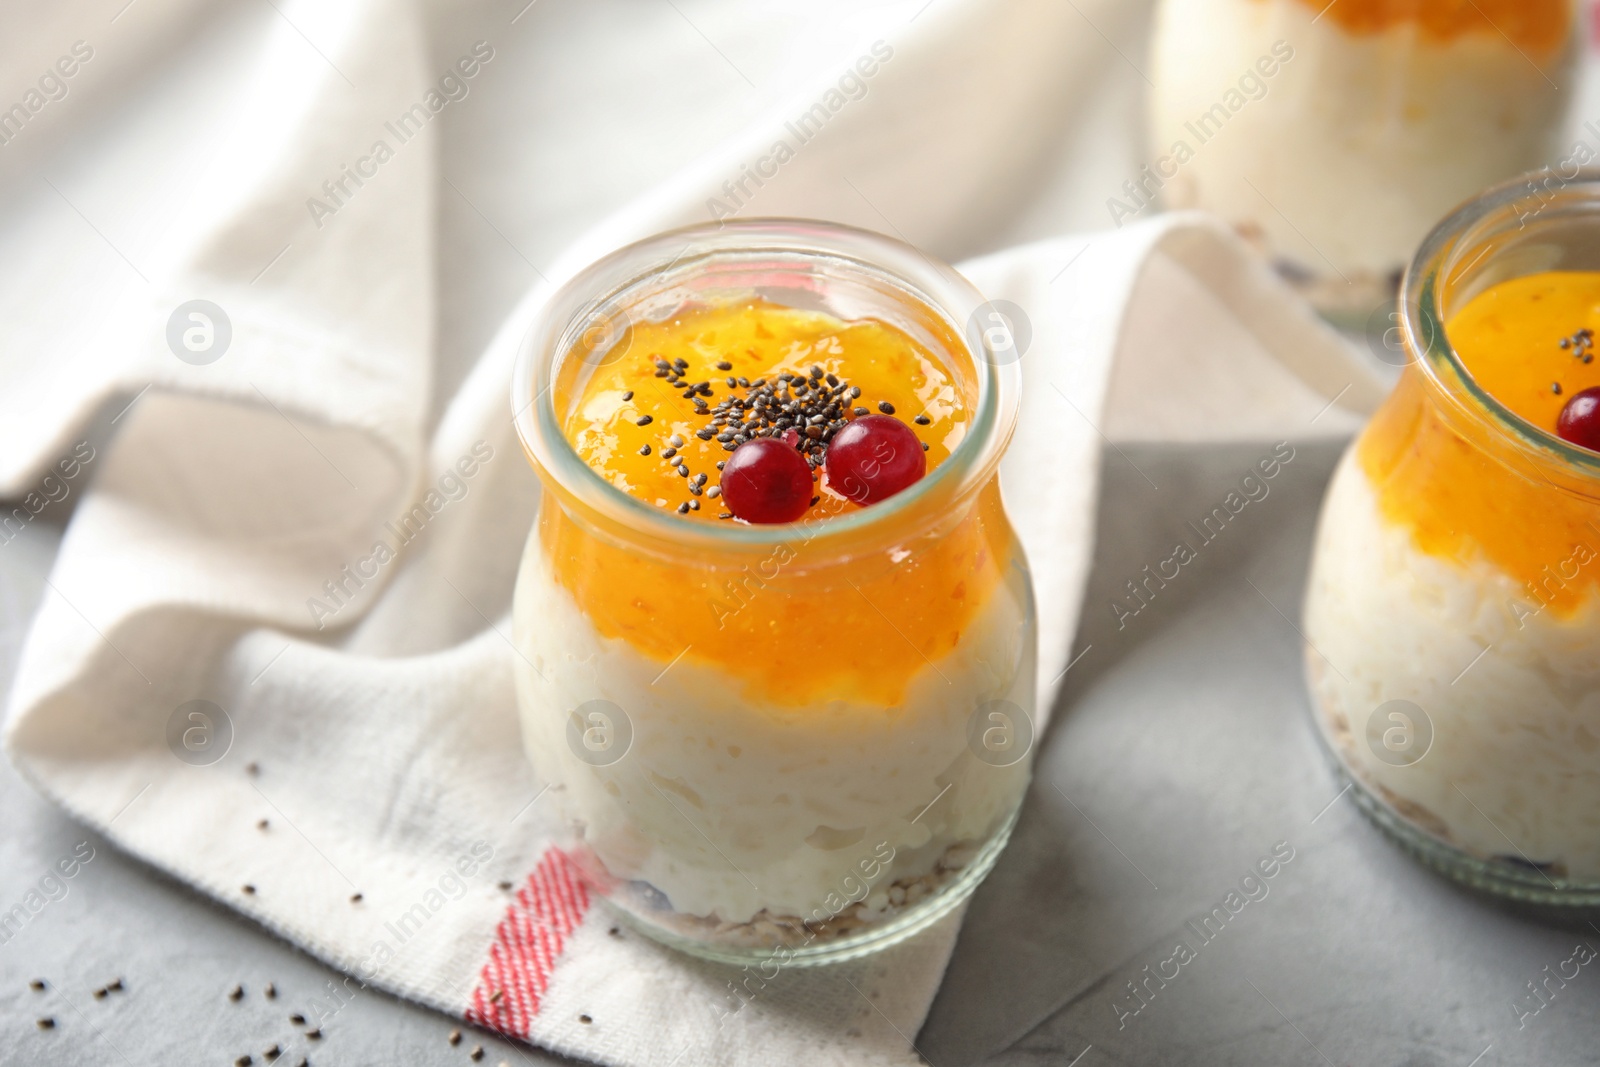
[(1580, 420), (874, 457), (766, 480)]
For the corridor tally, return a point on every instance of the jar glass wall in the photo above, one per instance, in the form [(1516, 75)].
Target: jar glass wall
[(1453, 613), (1334, 134), (803, 741)]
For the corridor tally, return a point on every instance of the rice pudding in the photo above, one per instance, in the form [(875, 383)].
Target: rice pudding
[(1453, 613), (758, 724), (1336, 133)]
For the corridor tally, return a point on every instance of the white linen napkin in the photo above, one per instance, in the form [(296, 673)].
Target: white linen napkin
[(224, 550)]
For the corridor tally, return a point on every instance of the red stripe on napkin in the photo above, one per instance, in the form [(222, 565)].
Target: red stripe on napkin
[(527, 944)]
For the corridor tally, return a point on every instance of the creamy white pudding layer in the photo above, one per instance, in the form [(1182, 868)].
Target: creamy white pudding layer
[(730, 809), (1358, 143), (1514, 768)]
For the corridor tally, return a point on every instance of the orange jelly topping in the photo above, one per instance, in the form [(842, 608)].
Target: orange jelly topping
[(755, 340), (1536, 25), (1460, 489), (794, 625)]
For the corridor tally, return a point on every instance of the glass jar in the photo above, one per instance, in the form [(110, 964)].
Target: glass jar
[(798, 742), (1452, 619), (1334, 134)]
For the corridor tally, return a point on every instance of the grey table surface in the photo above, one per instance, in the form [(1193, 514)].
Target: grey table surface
[(1182, 752)]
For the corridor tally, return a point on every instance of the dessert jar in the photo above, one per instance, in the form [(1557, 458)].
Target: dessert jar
[(798, 742), (1335, 134), (1452, 619)]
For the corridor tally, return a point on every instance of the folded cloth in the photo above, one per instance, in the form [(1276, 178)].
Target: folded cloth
[(284, 594)]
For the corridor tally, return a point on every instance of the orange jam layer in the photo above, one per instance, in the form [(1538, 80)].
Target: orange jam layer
[(758, 340), (1509, 336), (796, 626), (1460, 489), (1536, 25), (788, 632)]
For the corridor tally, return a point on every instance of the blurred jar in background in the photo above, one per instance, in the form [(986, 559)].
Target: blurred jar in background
[(1333, 134)]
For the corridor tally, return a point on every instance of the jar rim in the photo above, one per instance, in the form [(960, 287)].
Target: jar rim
[(1450, 251), (585, 297)]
